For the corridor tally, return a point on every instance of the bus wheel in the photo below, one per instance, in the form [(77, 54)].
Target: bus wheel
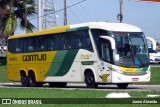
[(90, 80), (57, 84), (122, 85), (24, 79), (32, 80)]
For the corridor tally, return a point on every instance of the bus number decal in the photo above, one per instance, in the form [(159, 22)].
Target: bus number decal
[(13, 59), (36, 57)]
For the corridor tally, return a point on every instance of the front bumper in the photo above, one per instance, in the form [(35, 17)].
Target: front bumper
[(121, 78)]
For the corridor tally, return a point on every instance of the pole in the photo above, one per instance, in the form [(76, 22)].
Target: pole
[(121, 11), (39, 15), (65, 12), (26, 17)]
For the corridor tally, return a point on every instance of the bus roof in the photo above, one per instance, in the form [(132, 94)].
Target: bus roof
[(121, 27)]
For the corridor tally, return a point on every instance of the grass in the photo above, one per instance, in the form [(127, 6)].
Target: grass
[(155, 75), (3, 70), (60, 93)]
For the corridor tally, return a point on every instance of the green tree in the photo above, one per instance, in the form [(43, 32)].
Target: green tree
[(15, 13)]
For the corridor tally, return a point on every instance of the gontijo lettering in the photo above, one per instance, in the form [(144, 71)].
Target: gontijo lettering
[(34, 57)]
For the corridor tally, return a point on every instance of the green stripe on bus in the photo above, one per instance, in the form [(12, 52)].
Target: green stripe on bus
[(83, 28), (145, 68), (87, 62), (62, 62), (67, 62), (76, 29), (57, 61)]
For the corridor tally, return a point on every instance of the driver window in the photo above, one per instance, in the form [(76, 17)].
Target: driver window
[(105, 50)]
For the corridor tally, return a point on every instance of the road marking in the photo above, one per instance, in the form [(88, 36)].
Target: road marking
[(150, 95), (118, 95)]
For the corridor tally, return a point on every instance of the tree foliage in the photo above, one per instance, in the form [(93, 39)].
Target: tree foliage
[(15, 13)]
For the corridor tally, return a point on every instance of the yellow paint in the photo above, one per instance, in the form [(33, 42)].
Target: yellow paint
[(43, 32), (105, 77), (40, 68), (85, 56), (127, 69)]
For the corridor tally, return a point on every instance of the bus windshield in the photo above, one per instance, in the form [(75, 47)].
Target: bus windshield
[(131, 48)]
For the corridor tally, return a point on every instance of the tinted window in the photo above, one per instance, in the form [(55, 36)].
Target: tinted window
[(68, 40), (11, 45), (83, 40), (54, 42), (106, 51), (72, 41), (32, 44), (43, 43), (16, 45), (19, 45), (61, 41)]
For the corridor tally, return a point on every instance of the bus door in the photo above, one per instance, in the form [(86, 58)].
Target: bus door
[(106, 56)]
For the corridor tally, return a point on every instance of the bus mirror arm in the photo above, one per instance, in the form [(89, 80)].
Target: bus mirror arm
[(112, 41)]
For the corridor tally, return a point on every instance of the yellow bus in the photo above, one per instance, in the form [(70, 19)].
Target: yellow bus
[(93, 53)]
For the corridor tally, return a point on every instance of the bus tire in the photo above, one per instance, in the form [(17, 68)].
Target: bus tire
[(122, 85), (58, 84), (32, 80), (24, 79), (90, 80)]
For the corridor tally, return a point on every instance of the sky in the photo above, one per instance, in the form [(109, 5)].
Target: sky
[(141, 14)]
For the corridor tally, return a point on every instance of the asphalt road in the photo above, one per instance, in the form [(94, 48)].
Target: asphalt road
[(83, 87)]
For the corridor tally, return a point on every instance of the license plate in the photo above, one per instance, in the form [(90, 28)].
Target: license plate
[(135, 79)]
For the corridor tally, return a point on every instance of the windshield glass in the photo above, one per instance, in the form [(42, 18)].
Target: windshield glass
[(131, 48)]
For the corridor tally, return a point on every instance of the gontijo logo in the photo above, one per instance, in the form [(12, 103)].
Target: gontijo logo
[(35, 57)]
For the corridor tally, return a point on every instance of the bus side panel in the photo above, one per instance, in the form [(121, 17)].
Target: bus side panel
[(13, 64), (74, 74), (85, 60), (13, 73), (45, 66)]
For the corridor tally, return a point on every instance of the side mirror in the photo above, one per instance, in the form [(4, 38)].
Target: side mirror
[(113, 43)]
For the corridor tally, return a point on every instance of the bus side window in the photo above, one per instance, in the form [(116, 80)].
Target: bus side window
[(11, 45), (80, 42), (68, 41), (58, 41), (19, 46), (43, 43), (51, 42), (72, 40), (64, 42), (83, 40), (32, 44)]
